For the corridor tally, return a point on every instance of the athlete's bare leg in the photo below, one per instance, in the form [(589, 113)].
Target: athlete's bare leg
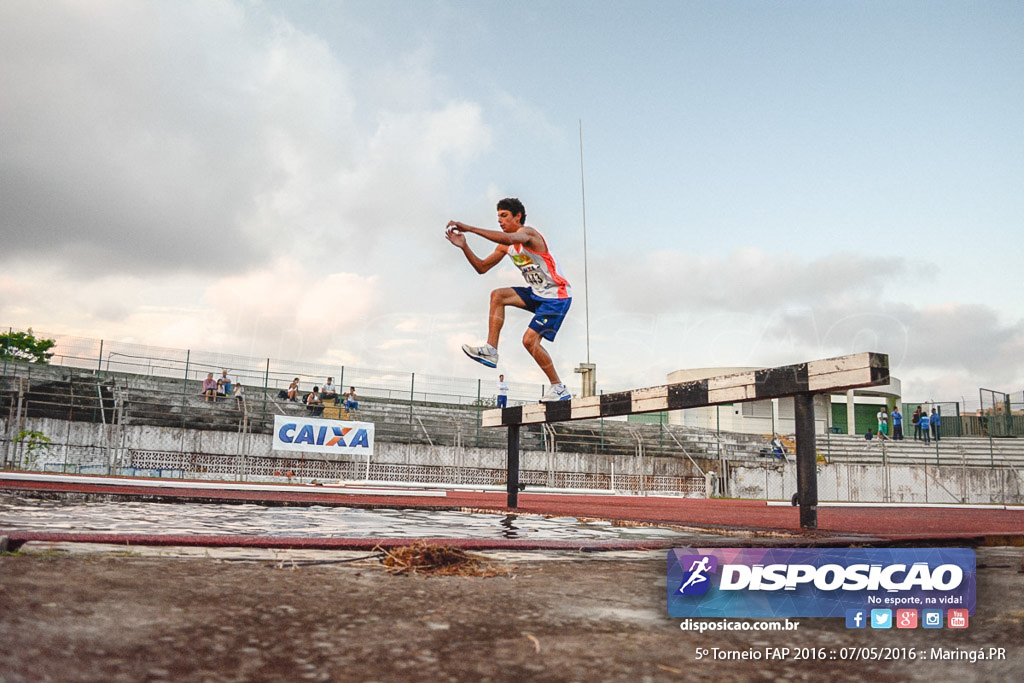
[(531, 340), (500, 298), (506, 296)]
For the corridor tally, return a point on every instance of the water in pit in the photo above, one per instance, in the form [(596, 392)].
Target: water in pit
[(56, 516)]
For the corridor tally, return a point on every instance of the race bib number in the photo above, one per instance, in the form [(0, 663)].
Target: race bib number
[(534, 277)]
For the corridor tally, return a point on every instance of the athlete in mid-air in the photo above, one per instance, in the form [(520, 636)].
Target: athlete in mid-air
[(548, 296)]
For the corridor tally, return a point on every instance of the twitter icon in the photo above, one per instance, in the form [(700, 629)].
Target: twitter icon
[(881, 618)]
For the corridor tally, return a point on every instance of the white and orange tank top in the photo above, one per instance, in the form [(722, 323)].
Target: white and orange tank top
[(540, 272)]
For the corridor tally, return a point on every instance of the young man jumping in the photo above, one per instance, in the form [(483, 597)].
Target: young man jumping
[(548, 296)]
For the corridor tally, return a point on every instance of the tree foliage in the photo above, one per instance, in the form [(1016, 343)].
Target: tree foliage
[(24, 346), (35, 444)]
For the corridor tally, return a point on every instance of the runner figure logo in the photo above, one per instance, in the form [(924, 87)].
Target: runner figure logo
[(696, 581)]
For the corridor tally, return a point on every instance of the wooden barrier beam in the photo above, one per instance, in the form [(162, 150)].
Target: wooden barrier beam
[(801, 381), (814, 377)]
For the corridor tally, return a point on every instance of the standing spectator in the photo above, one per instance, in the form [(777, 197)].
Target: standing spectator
[(239, 395), (897, 424), (329, 392), (224, 384), (502, 399), (351, 401), (924, 427), (936, 422), (917, 423), (883, 423), (210, 388), (293, 390)]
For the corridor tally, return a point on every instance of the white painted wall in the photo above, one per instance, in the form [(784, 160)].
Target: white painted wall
[(89, 444), (876, 483)]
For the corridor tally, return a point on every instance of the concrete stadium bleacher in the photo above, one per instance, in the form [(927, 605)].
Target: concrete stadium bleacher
[(83, 395), (966, 450)]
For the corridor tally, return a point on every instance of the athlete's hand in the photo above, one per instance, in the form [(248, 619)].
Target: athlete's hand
[(454, 234)]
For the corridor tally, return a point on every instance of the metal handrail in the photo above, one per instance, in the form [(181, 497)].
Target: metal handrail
[(683, 449), (425, 432)]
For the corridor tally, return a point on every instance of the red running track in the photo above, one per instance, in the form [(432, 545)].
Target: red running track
[(744, 518)]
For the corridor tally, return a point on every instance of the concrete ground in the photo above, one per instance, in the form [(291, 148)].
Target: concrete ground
[(252, 611), (77, 612)]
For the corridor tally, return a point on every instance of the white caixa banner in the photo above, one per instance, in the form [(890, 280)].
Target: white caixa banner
[(316, 435)]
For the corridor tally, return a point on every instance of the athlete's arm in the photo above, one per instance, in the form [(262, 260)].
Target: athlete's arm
[(480, 265), (525, 235)]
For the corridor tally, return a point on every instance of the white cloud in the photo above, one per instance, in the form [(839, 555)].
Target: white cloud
[(145, 136), (524, 116), (670, 310), (204, 174), (294, 310), (288, 310), (746, 280), (404, 175)]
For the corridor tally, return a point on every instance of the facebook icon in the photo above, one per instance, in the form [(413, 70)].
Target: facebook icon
[(856, 618)]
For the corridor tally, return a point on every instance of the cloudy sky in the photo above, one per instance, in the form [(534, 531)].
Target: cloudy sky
[(765, 182)]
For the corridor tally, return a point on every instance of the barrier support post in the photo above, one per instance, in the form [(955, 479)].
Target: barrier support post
[(806, 461), (512, 480)]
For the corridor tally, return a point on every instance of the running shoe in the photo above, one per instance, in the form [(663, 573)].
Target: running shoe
[(481, 354), (557, 392)]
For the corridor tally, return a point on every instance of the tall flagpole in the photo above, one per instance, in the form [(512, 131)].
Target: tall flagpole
[(587, 370), (586, 283)]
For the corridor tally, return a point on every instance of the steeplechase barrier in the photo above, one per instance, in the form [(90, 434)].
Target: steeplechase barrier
[(801, 381)]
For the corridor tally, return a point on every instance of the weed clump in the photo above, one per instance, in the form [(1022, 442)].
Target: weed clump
[(437, 560)]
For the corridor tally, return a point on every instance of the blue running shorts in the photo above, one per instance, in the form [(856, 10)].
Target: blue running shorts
[(548, 314)]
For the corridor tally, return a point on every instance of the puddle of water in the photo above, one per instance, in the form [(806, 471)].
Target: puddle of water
[(308, 522)]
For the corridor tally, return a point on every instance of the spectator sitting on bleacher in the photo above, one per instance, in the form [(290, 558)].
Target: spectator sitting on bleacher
[(210, 387), (224, 384), (313, 402), (293, 390), (329, 392), (351, 402)]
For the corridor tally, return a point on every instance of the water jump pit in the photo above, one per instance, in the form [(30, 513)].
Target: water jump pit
[(305, 516), (25, 518)]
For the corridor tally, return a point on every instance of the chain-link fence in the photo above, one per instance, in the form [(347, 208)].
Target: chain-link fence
[(105, 358), (124, 449), (953, 470), (1000, 416), (894, 482), (68, 419), (144, 412)]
